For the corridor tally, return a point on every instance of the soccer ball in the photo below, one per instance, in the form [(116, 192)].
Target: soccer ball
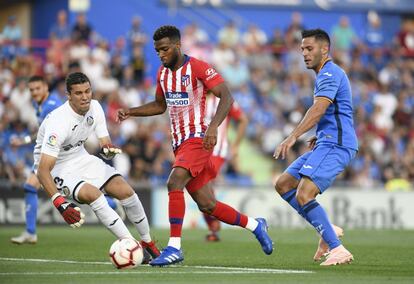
[(126, 253)]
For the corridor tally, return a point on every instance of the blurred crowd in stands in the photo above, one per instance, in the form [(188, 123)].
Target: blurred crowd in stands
[(266, 75)]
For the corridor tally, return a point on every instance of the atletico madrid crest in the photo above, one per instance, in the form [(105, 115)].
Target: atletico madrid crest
[(185, 80)]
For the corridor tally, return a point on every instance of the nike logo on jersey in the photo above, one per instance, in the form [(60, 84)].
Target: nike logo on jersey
[(307, 167), (327, 74), (73, 129), (140, 221), (113, 223)]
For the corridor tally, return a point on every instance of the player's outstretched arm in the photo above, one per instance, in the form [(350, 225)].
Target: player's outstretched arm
[(311, 118), (69, 211), (153, 108)]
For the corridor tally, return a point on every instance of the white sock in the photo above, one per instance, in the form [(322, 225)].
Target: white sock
[(136, 214), (109, 218), (175, 242), (251, 224)]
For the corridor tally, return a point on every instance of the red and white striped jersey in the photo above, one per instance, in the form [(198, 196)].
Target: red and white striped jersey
[(184, 91), (222, 147)]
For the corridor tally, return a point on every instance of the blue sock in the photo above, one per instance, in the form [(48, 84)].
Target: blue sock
[(111, 202), (316, 215), (31, 207), (290, 197)]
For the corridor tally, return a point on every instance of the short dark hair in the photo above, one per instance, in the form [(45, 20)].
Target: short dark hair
[(319, 34), (172, 32), (75, 79), (37, 78)]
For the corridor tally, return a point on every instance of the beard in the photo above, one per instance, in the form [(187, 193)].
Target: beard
[(172, 62)]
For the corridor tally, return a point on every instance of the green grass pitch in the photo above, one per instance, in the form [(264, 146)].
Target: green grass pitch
[(65, 255)]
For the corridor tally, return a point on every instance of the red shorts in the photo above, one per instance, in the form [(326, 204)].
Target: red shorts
[(191, 156), (217, 163)]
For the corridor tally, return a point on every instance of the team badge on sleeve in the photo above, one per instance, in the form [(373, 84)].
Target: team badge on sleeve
[(52, 140)]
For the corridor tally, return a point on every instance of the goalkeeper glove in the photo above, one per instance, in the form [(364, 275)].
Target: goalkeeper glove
[(109, 151), (70, 212)]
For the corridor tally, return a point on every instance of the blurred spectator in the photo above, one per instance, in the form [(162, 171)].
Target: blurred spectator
[(343, 39), (374, 35), (92, 67), (406, 38), (106, 84), (61, 30), (82, 30), (293, 32), (236, 73), (229, 35), (117, 68), (120, 50), (78, 50), (136, 37), (397, 181), (101, 52), (193, 35), (195, 41), (254, 37), (277, 43), (12, 38), (222, 56), (12, 33), (137, 63), (22, 101)]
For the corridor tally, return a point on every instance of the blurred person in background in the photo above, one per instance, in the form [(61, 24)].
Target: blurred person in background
[(331, 150), (12, 38), (61, 29), (82, 30), (344, 39), (44, 103), (229, 35), (223, 150), (136, 36), (20, 97)]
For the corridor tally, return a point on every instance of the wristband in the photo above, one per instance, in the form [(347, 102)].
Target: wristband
[(57, 199)]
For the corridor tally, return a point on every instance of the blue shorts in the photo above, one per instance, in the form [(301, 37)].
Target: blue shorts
[(322, 164)]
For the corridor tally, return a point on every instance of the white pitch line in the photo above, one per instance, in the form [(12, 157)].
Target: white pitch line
[(257, 270), (52, 260), (129, 272), (230, 270)]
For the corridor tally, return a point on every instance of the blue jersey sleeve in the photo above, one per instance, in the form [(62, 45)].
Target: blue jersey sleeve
[(327, 85), (51, 103)]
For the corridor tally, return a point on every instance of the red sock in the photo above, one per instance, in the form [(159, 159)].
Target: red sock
[(176, 211), (229, 215)]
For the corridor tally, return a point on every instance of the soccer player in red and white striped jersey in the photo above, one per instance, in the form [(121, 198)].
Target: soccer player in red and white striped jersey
[(182, 85), (223, 149)]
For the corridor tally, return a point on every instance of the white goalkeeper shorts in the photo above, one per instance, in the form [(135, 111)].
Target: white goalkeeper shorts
[(70, 176)]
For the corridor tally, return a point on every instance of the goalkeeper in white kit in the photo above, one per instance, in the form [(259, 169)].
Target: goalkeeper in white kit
[(67, 170)]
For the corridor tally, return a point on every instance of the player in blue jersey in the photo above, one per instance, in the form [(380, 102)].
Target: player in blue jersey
[(334, 146), (43, 102)]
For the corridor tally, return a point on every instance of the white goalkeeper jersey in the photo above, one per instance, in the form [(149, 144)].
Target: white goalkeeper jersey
[(63, 132)]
